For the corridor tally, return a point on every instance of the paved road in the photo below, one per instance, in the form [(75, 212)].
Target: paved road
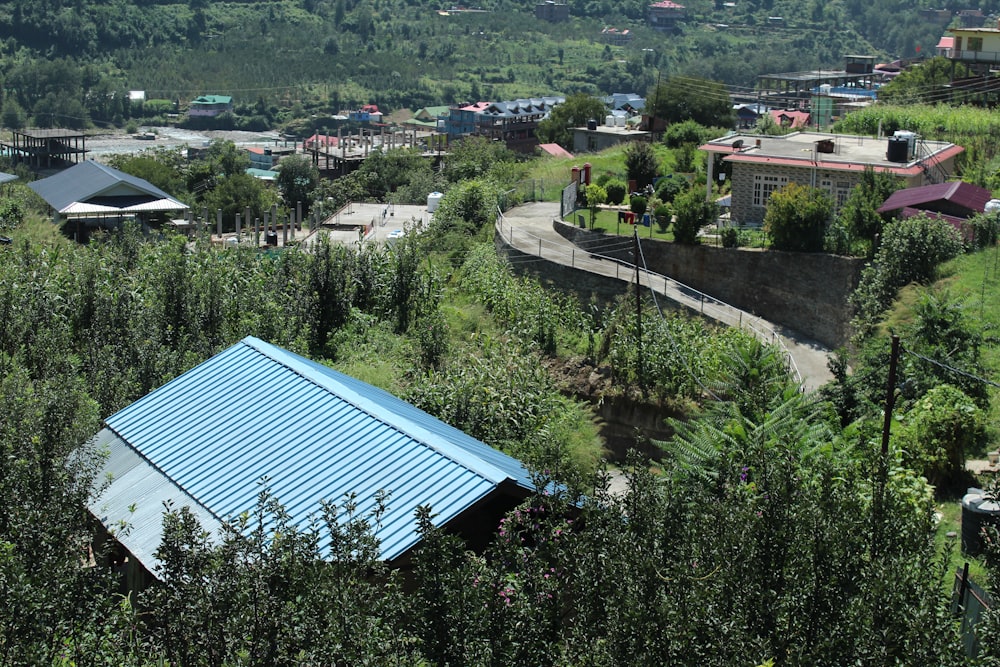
[(531, 228)]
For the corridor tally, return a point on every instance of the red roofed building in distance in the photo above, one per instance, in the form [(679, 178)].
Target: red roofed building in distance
[(790, 118)]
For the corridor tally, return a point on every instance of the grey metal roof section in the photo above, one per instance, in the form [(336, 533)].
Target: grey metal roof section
[(7, 178), (256, 411), (131, 505), (89, 180)]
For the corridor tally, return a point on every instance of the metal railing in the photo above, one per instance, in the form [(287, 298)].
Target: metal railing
[(597, 261)]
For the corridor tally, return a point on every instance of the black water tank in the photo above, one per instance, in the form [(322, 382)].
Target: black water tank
[(899, 150), (977, 512), (591, 124)]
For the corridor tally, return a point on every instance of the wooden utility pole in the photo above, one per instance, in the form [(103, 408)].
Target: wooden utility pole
[(878, 501), (638, 311)]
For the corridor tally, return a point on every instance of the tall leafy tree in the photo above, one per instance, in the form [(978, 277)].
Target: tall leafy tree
[(682, 98), (641, 164), (859, 215), (923, 83), (297, 179), (574, 112)]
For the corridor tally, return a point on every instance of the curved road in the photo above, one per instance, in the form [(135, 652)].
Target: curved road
[(531, 229)]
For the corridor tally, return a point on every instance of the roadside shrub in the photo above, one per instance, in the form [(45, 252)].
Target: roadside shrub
[(662, 215), (668, 187), (796, 218), (730, 237), (637, 204), (616, 191), (691, 213)]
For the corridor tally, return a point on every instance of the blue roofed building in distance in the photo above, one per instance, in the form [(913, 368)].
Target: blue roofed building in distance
[(207, 439)]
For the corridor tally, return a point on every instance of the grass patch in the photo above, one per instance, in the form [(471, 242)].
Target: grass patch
[(38, 230), (951, 522)]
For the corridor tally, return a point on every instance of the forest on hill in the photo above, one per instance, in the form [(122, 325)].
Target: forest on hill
[(70, 64)]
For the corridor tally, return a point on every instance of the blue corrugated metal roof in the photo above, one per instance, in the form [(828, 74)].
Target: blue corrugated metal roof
[(256, 410)]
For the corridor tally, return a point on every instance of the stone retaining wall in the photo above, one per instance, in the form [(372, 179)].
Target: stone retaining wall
[(805, 292)]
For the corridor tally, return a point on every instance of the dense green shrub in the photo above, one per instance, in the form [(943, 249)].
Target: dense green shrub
[(616, 190), (662, 216), (637, 204), (939, 431), (910, 251), (668, 187), (797, 217), (691, 213), (730, 237)]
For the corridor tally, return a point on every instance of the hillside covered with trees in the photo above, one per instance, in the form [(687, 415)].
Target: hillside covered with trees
[(71, 64)]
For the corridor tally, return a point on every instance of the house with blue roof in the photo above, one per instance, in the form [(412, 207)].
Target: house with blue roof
[(208, 438)]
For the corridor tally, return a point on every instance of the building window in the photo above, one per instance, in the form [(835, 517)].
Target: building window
[(764, 185), (838, 192), (975, 43), (841, 194)]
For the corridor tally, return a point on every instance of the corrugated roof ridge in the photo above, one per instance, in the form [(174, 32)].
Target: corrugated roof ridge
[(454, 452)]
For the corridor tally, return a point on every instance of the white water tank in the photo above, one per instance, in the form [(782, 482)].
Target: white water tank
[(433, 199), (992, 206), (620, 121), (609, 120)]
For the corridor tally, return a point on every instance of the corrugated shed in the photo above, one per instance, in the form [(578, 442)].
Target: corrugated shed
[(966, 195), (257, 411), (89, 180)]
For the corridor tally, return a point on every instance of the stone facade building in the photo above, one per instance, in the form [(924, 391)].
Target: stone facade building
[(760, 165)]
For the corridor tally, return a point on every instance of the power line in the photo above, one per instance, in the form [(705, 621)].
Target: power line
[(952, 369)]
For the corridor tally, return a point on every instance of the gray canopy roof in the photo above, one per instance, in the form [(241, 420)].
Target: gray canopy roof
[(90, 187)]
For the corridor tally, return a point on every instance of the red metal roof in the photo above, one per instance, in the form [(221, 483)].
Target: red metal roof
[(965, 195), (946, 43), (796, 118), (320, 140), (555, 149)]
